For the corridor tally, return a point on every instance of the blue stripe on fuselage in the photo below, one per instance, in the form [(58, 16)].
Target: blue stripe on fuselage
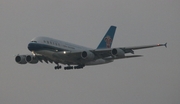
[(38, 46)]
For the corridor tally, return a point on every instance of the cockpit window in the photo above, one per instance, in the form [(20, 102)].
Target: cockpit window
[(34, 41)]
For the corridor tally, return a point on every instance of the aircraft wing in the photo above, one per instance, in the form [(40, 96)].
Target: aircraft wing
[(43, 58), (99, 53), (102, 53), (130, 49), (147, 46)]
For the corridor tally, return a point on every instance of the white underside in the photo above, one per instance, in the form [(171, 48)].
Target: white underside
[(63, 59)]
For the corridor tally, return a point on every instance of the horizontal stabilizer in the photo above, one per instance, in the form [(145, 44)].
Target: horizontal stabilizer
[(132, 56)]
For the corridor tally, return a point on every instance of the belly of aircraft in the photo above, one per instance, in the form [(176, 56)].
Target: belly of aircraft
[(65, 59)]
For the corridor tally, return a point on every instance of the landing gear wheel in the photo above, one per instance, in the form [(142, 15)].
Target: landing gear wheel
[(57, 67), (68, 68), (79, 67)]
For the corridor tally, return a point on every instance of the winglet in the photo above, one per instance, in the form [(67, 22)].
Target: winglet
[(165, 45), (162, 45)]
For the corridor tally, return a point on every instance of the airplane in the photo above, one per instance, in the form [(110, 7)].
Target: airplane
[(75, 56)]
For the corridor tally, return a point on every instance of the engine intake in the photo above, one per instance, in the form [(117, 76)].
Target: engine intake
[(20, 59), (31, 59), (118, 53), (87, 55)]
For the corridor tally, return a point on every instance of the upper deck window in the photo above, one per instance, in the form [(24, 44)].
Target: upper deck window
[(34, 41)]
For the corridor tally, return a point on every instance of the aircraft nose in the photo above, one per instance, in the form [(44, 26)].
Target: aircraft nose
[(33, 46)]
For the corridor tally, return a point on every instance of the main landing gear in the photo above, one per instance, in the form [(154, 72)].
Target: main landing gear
[(75, 67), (69, 67), (78, 67), (57, 67)]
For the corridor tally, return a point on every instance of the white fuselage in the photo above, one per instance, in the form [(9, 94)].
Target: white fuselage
[(56, 49)]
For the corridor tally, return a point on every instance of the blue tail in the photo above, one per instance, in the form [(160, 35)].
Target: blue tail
[(106, 42)]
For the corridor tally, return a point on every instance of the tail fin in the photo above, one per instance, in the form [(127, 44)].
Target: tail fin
[(106, 42)]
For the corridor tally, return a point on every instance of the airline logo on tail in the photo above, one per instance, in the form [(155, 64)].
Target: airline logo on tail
[(108, 41)]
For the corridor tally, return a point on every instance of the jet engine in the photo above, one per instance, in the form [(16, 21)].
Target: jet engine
[(118, 53), (21, 59), (87, 55), (31, 59)]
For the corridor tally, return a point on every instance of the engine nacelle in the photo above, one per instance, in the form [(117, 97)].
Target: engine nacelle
[(118, 53), (31, 59), (21, 59), (87, 55)]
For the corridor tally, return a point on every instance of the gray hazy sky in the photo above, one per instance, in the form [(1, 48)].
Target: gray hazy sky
[(152, 79)]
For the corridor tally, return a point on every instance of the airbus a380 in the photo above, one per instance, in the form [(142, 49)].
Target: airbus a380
[(75, 56)]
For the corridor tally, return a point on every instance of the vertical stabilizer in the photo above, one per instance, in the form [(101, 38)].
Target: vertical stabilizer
[(106, 42)]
